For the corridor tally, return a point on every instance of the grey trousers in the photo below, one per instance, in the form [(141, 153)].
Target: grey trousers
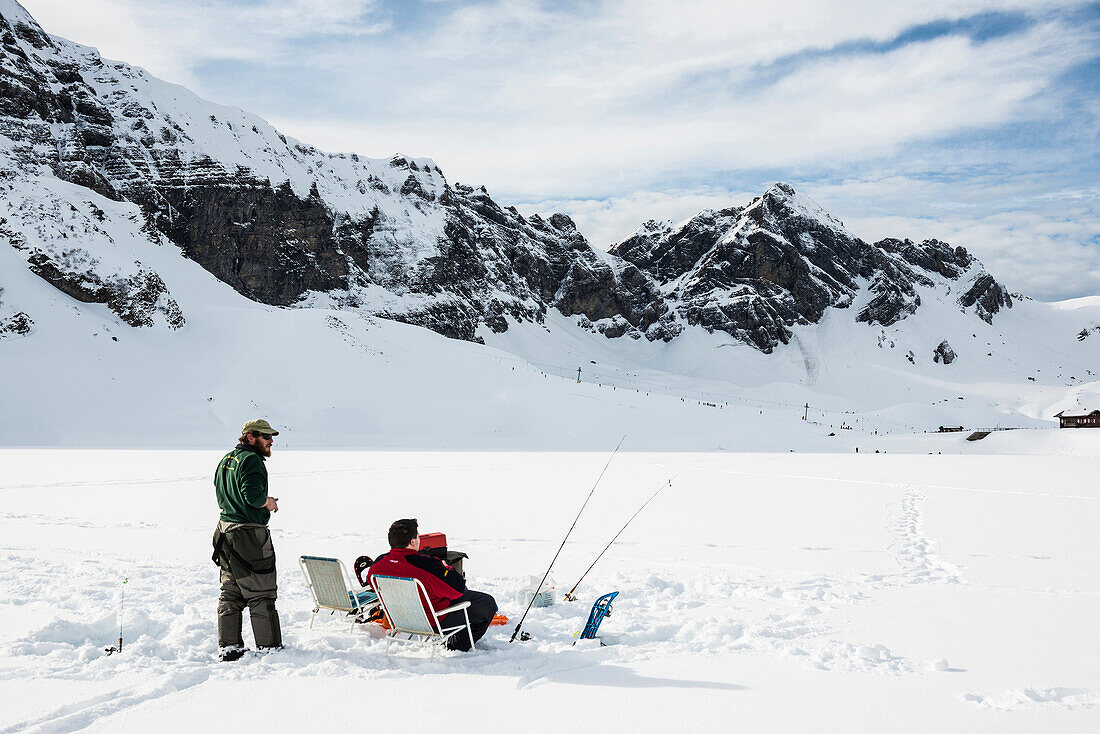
[(241, 587)]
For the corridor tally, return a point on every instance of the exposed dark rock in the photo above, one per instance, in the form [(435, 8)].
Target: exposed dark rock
[(987, 295), (412, 187), (562, 223), (931, 255), (666, 255), (943, 353), (18, 324), (135, 299), (268, 244), (894, 294), (892, 302)]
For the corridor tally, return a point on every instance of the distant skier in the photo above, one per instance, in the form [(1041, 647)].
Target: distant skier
[(242, 543), (445, 585)]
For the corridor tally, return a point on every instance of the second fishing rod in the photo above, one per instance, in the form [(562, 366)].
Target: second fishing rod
[(668, 483)]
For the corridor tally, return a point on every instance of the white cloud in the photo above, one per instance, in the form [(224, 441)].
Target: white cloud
[(553, 131), (171, 38)]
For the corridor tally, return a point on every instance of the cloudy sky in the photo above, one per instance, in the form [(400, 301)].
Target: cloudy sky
[(974, 121)]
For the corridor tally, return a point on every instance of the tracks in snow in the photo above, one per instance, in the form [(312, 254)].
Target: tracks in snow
[(914, 550)]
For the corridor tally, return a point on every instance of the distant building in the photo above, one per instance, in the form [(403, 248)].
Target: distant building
[(950, 429), (1089, 420)]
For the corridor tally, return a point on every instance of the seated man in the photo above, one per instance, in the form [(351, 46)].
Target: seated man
[(445, 586)]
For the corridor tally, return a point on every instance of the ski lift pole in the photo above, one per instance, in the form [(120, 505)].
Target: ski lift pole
[(569, 596), (555, 558)]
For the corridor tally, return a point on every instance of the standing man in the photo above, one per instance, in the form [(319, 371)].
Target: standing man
[(445, 585), (242, 543)]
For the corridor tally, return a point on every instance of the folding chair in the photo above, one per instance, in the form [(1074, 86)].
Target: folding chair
[(406, 604), (329, 584)]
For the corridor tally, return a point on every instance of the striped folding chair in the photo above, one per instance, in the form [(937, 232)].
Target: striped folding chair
[(406, 604), (330, 587)]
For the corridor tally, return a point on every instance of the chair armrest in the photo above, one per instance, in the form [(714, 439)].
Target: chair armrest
[(455, 608)]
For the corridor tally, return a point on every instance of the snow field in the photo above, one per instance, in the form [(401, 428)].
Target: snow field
[(781, 592)]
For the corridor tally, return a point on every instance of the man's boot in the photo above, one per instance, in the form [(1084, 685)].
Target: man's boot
[(229, 653)]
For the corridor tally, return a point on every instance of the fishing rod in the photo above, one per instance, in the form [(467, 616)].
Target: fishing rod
[(569, 596), (525, 636), (121, 602)]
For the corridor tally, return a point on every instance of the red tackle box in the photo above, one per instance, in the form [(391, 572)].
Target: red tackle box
[(433, 540), (435, 544)]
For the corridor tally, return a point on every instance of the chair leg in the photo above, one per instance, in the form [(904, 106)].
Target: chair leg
[(312, 618)]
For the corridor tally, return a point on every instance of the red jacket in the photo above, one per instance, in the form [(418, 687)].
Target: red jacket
[(442, 582)]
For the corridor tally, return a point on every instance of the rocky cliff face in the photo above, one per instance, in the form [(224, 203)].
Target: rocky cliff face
[(754, 272), (288, 225)]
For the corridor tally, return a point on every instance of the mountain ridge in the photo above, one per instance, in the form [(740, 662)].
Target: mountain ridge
[(285, 224)]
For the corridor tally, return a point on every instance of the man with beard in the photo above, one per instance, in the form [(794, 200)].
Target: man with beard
[(242, 543)]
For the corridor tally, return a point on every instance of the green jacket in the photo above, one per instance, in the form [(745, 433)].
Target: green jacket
[(240, 483)]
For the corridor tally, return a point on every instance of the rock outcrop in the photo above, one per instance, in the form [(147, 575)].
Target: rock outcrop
[(136, 298), (18, 324), (943, 353)]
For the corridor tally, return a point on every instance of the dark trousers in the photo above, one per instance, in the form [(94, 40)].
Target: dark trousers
[(248, 578), (481, 610), (236, 594)]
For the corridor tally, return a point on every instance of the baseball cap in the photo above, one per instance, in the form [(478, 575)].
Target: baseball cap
[(259, 426)]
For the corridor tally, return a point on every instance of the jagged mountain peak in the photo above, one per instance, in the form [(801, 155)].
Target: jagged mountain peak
[(783, 202), (782, 260)]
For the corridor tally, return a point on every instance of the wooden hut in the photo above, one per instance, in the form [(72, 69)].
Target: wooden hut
[(1089, 420)]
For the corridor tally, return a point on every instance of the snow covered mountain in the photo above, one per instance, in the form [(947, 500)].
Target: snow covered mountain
[(138, 222), (753, 272), (283, 223), (279, 221)]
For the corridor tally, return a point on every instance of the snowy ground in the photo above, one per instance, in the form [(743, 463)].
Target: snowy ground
[(763, 592)]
